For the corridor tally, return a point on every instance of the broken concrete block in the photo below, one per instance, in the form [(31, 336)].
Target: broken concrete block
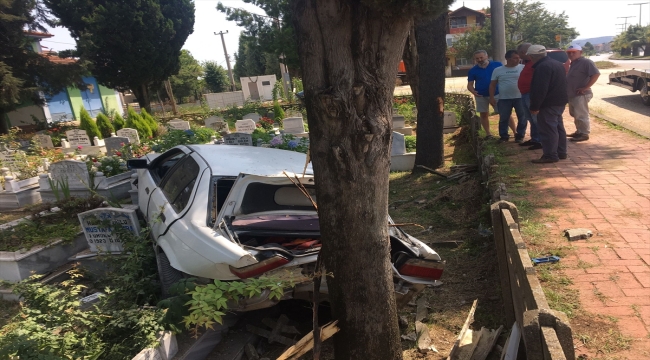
[(410, 337), (403, 321), (577, 234)]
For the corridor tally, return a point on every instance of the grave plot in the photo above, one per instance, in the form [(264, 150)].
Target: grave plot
[(20, 180)]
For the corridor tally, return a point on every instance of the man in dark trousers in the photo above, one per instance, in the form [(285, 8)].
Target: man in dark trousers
[(548, 98)]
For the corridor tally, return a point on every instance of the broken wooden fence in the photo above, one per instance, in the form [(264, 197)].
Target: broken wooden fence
[(546, 333)]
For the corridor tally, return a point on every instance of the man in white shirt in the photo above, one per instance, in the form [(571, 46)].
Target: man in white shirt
[(506, 77)]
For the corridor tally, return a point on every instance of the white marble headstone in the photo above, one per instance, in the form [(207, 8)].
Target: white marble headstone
[(245, 126), (253, 116), (8, 160), (44, 141), (398, 122), (179, 125), (75, 173), (293, 125), (77, 137), (98, 225), (132, 134), (398, 146)]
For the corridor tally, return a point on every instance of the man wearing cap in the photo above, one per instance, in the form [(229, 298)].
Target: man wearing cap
[(478, 83), (523, 83), (548, 98), (582, 75)]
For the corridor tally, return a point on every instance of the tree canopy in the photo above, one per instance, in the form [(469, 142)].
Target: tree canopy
[(632, 40), (216, 77), (266, 38), (24, 72), (131, 44), (526, 21), (188, 80)]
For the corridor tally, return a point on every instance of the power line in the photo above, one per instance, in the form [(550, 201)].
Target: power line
[(640, 6), (625, 17)]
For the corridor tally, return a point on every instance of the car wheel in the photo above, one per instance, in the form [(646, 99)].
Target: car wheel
[(645, 97), (168, 275)]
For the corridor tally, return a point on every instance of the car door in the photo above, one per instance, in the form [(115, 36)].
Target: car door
[(172, 198), (149, 179)]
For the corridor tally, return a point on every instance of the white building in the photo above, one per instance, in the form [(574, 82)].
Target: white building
[(258, 87)]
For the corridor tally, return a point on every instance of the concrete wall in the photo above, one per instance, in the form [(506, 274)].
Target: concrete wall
[(224, 99), (22, 116), (263, 83)]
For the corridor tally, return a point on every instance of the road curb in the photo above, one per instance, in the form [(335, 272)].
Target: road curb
[(643, 133)]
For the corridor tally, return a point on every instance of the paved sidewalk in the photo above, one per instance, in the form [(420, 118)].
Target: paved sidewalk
[(604, 185)]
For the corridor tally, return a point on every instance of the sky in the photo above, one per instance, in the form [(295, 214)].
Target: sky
[(591, 18)]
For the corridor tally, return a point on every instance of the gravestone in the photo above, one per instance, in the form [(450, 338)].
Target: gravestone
[(450, 124), (238, 139), (245, 126), (132, 134), (8, 160), (216, 123), (253, 116), (399, 121), (75, 173), (294, 125), (179, 125), (115, 143), (398, 146), (292, 113), (77, 137), (44, 141), (98, 226)]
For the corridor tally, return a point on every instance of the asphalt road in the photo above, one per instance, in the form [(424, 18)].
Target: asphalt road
[(610, 102)]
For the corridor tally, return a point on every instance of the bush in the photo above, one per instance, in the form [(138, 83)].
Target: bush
[(150, 121), (104, 125), (88, 124), (183, 137), (118, 122), (278, 113), (135, 121), (410, 142)]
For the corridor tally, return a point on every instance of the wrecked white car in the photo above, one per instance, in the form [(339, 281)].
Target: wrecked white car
[(229, 213)]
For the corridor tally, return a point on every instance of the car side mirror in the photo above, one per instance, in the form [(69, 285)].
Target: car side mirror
[(137, 164)]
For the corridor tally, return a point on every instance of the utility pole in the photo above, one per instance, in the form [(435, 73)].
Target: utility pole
[(230, 74), (640, 6), (625, 17), (622, 27), (498, 30)]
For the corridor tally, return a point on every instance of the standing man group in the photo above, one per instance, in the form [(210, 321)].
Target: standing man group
[(525, 78), (506, 77), (548, 98), (582, 75), (478, 83)]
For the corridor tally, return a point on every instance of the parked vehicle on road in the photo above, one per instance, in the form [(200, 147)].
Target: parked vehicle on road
[(633, 80), (561, 56), (229, 213)]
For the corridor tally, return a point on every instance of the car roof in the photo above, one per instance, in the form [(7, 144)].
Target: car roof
[(231, 160)]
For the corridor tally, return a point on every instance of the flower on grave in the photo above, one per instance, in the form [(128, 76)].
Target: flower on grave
[(292, 144), (276, 141), (79, 147), (94, 169), (94, 159), (121, 144), (109, 168), (118, 153)]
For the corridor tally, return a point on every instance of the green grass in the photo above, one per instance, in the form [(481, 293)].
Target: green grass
[(613, 126), (605, 64)]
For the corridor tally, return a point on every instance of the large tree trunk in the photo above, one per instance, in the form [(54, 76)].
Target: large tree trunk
[(410, 58), (349, 54), (141, 93), (4, 123), (432, 48)]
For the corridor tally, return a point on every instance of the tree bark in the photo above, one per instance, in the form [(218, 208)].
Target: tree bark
[(432, 47), (410, 58), (349, 54), (141, 93), (4, 123)]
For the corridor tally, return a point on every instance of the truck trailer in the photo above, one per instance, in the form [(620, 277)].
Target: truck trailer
[(633, 80)]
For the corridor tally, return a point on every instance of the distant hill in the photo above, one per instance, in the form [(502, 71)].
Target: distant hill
[(593, 41)]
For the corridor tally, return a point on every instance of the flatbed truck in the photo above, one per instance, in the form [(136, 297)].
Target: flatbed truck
[(633, 80)]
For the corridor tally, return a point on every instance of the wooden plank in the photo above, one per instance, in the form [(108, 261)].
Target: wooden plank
[(423, 339), (486, 343), (499, 242), (307, 342), (275, 333), (421, 309), (467, 345), (470, 319), (286, 329)]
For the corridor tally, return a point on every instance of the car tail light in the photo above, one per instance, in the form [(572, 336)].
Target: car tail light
[(422, 268), (261, 267)]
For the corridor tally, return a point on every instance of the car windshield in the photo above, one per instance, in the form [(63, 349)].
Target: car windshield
[(261, 197)]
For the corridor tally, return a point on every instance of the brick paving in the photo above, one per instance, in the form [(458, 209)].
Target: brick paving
[(604, 186)]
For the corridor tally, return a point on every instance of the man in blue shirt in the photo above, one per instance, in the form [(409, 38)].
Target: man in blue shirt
[(478, 83)]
